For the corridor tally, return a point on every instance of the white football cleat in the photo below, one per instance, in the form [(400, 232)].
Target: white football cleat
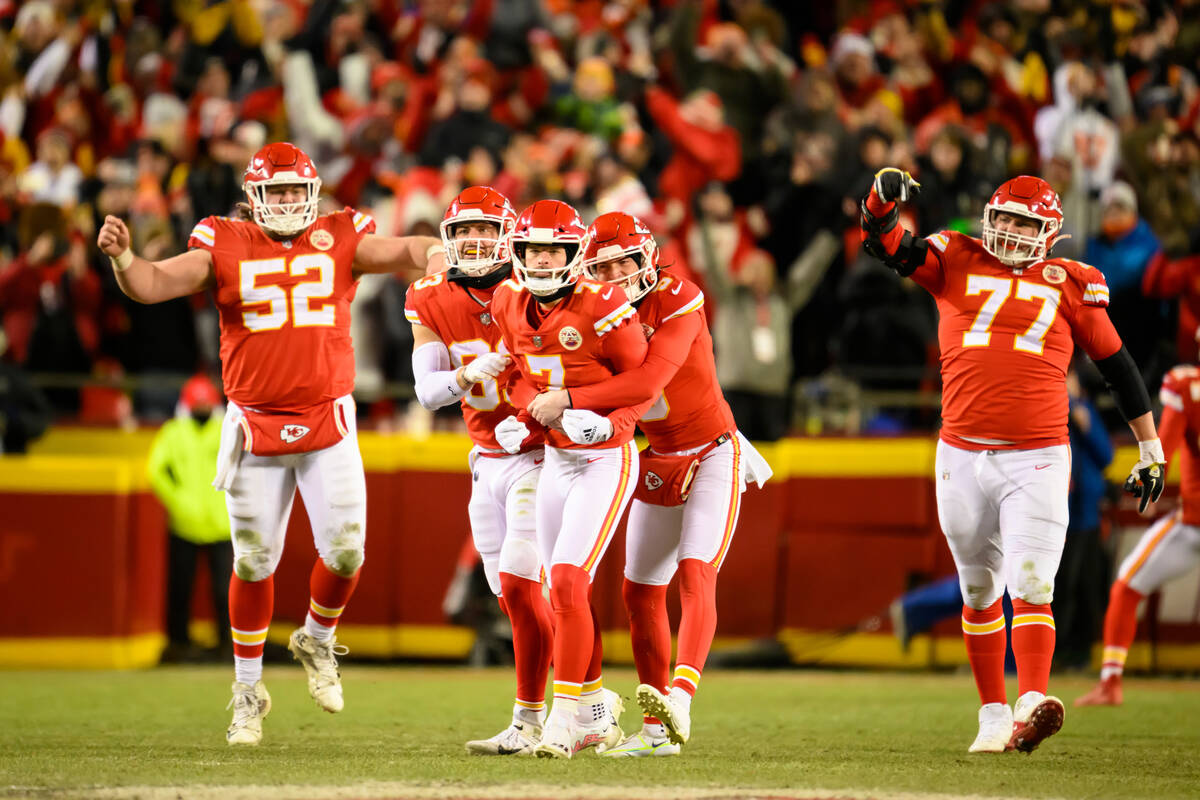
[(604, 732), (250, 707), (559, 739), (676, 718), (1036, 718), (518, 739), (995, 729), (320, 662), (640, 745)]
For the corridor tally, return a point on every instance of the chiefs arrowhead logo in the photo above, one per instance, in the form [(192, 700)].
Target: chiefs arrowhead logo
[(292, 433), (653, 481)]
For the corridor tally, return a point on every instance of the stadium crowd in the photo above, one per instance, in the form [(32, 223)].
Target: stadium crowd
[(743, 132)]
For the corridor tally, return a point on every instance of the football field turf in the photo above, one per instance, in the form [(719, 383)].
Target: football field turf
[(776, 734)]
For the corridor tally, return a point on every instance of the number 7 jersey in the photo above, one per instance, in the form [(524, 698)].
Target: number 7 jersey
[(1007, 337), (285, 309)]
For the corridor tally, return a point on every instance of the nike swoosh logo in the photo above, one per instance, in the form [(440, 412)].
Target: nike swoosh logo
[(501, 750), (606, 295), (1043, 466), (590, 460), (678, 286), (538, 460)]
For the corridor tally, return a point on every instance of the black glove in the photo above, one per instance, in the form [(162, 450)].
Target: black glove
[(1146, 483), (894, 184)]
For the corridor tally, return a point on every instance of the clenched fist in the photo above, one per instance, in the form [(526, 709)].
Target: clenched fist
[(113, 239), (894, 184)]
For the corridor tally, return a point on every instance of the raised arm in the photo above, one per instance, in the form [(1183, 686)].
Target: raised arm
[(153, 281), (411, 256), (885, 238)]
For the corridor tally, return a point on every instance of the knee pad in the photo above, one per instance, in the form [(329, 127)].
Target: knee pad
[(520, 557), (980, 587), (252, 559), (1031, 578), (569, 588), (346, 550)]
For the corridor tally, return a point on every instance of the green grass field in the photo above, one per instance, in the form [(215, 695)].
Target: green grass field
[(779, 734)]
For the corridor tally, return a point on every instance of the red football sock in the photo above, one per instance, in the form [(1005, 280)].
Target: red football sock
[(533, 636), (986, 637), (329, 593), (574, 631), (251, 604), (1120, 626), (595, 666), (697, 622), (1033, 645), (649, 632)]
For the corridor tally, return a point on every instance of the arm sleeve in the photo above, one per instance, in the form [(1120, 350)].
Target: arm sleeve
[(625, 346), (436, 385), (886, 239), (1125, 383), (665, 354), (625, 417)]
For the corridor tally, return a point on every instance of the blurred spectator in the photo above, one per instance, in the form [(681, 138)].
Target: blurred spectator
[(951, 191), (181, 467), (1124, 250), (590, 106), (1081, 209), (752, 339), (1164, 166), (469, 125), (24, 411), (52, 178), (704, 147), (1081, 586)]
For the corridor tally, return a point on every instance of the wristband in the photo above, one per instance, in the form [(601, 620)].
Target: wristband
[(1151, 450), (121, 262), (433, 250)]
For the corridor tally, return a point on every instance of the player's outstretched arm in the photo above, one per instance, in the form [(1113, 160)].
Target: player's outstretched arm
[(411, 256), (152, 281)]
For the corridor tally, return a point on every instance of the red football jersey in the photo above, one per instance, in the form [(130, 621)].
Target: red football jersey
[(583, 339), (1179, 430), (690, 411), (1007, 336), (465, 326), (285, 309)]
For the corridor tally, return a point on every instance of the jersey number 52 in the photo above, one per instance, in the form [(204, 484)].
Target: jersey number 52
[(275, 297)]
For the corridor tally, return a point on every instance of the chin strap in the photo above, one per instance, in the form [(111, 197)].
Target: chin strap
[(486, 281)]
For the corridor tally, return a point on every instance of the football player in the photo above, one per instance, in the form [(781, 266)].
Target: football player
[(1010, 316), (458, 356), (692, 475), (563, 331), (1169, 548), (283, 279)]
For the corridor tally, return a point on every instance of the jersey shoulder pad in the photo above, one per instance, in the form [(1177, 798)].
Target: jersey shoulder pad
[(364, 223), (676, 296), (1088, 281), (204, 233), (942, 240), (1177, 385)]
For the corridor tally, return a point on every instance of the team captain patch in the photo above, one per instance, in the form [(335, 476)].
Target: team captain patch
[(1054, 273), (570, 338)]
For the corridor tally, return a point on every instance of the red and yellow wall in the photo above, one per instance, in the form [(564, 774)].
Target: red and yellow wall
[(818, 556)]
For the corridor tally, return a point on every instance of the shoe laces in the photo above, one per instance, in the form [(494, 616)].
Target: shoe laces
[(245, 707)]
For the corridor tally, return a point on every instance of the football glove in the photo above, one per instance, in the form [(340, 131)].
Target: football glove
[(1149, 475), (485, 367), (510, 433), (894, 184), (586, 427)]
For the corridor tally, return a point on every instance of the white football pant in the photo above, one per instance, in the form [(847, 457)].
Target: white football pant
[(1004, 514), (503, 514), (659, 537), (334, 489), (581, 496), (1169, 548)]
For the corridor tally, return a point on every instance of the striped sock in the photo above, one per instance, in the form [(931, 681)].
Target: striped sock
[(986, 637), (251, 604), (687, 680), (566, 699), (1033, 637), (1120, 626), (329, 593), (529, 711)]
